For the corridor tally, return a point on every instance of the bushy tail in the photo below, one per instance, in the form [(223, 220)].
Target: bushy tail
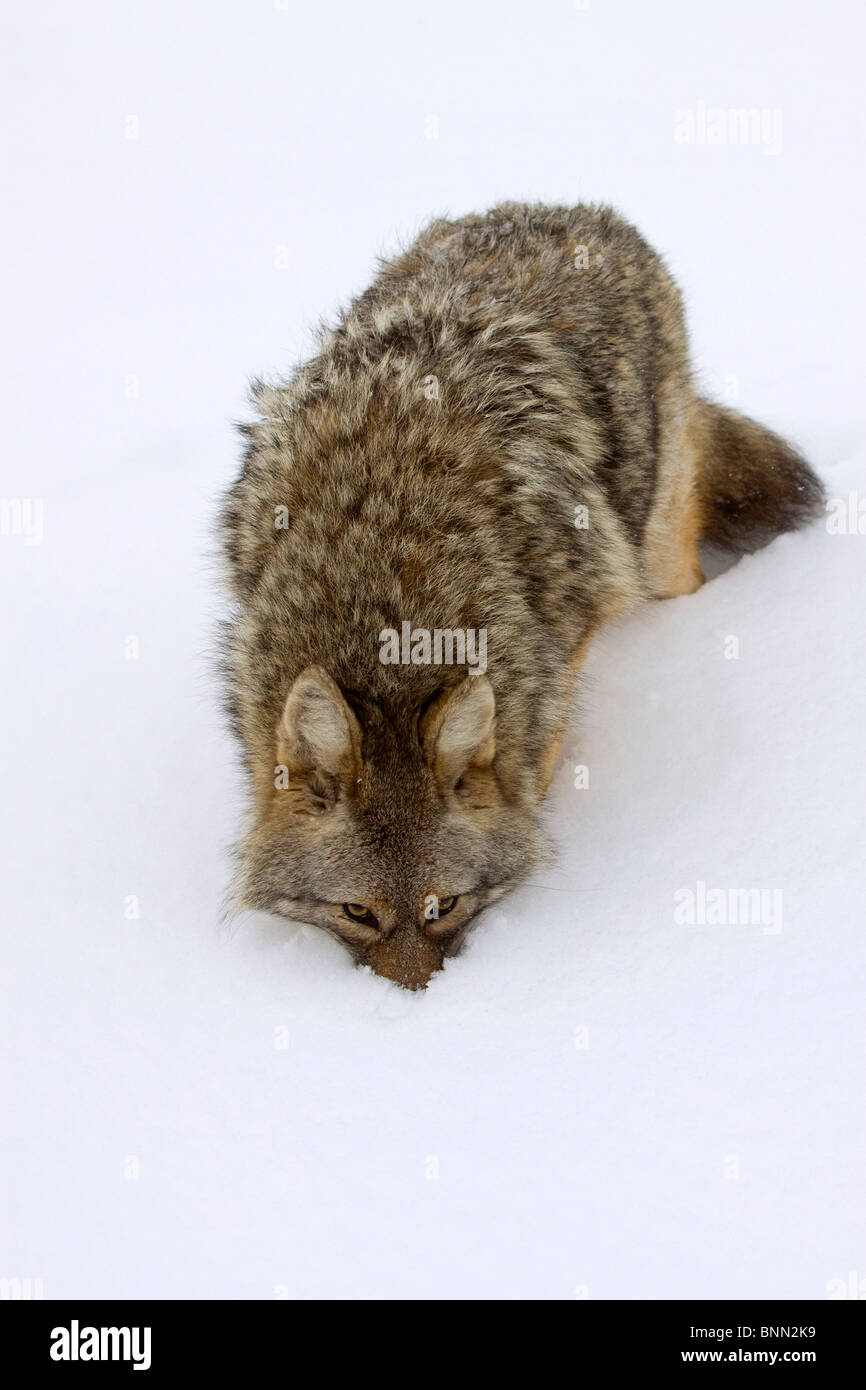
[(752, 484)]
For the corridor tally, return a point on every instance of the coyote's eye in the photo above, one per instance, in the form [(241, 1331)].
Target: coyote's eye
[(359, 913), (446, 904)]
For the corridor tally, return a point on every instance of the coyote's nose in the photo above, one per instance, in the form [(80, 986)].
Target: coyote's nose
[(407, 957)]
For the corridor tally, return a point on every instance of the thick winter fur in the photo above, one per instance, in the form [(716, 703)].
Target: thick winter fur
[(501, 433)]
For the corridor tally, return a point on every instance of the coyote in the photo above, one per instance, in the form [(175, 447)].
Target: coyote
[(500, 435)]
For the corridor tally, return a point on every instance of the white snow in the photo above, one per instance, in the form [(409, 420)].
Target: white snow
[(595, 1099)]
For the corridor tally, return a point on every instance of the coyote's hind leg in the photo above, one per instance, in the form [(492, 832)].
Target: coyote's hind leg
[(672, 565)]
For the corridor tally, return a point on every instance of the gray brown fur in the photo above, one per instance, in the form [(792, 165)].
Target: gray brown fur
[(557, 342)]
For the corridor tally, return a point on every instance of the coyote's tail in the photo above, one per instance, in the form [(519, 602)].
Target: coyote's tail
[(752, 484)]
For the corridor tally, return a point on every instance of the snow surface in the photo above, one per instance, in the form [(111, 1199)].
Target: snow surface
[(594, 1099)]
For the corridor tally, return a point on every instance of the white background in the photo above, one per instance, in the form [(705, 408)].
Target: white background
[(191, 1111)]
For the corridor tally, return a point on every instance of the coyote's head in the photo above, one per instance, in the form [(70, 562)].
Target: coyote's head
[(387, 827)]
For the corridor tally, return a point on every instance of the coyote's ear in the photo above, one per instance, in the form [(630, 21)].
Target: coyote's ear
[(457, 730), (318, 730)]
